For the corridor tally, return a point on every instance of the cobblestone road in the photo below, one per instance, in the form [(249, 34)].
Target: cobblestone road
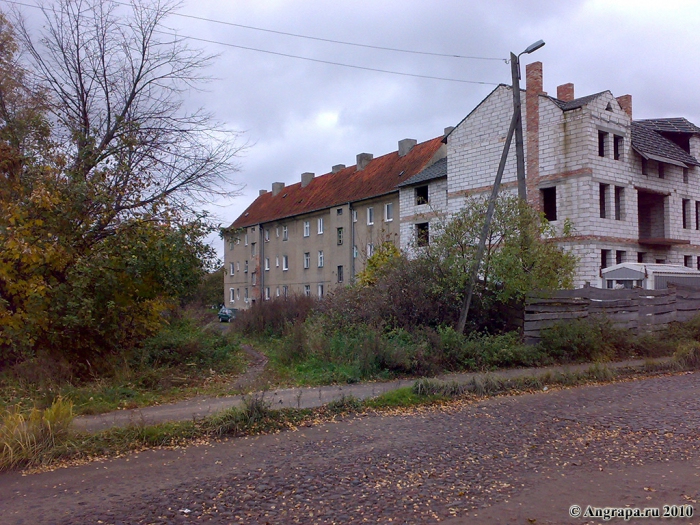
[(516, 459)]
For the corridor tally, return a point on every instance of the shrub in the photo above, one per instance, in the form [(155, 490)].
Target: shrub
[(273, 317), (688, 355), (576, 341)]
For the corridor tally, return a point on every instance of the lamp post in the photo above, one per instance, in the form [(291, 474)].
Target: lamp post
[(517, 108), (516, 128)]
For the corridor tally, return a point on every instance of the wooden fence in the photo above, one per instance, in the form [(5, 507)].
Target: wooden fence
[(637, 309)]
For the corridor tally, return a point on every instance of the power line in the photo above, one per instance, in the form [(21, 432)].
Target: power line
[(329, 40), (309, 59), (317, 60)]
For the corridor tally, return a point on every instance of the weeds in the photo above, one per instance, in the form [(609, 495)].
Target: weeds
[(688, 355), (30, 439)]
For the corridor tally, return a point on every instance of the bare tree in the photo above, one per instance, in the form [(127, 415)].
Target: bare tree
[(117, 79)]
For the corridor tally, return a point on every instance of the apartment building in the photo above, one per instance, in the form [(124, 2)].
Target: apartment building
[(317, 234), (625, 190)]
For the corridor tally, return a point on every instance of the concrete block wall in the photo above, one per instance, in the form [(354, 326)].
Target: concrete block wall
[(474, 148), (434, 212)]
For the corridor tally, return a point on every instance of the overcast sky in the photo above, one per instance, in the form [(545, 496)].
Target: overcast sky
[(302, 116)]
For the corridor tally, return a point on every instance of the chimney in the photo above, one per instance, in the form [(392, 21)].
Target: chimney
[(625, 102), (306, 178), (277, 187), (337, 168), (262, 192), (405, 146), (533, 89), (565, 92), (448, 130), (363, 159)]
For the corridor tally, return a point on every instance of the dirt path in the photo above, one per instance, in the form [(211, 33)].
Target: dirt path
[(513, 459), (309, 397)]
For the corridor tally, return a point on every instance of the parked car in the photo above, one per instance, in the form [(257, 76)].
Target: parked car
[(226, 314)]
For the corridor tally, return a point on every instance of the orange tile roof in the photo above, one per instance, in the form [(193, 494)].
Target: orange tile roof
[(379, 177)]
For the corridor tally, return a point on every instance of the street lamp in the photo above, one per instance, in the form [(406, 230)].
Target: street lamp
[(517, 108), (516, 128)]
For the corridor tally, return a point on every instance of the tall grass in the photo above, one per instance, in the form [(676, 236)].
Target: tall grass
[(29, 439)]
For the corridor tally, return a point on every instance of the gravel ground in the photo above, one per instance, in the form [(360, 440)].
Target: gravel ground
[(510, 459)]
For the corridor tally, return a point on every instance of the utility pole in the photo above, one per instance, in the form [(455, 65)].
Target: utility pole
[(516, 127), (517, 109)]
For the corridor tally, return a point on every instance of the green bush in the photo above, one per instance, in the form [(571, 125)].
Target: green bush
[(577, 340), (184, 342)]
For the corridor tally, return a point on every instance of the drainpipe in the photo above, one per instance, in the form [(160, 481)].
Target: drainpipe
[(352, 243)]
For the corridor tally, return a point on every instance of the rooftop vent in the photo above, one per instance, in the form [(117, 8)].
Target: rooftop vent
[(262, 192), (448, 130), (337, 168), (306, 178), (277, 187), (363, 159), (625, 102), (405, 146)]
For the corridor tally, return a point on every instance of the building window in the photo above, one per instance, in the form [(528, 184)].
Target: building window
[(253, 250), (549, 203), (277, 231), (354, 215), (277, 261), (354, 252), (604, 258), (267, 235), (370, 249), (238, 267), (698, 262), (245, 267), (340, 274), (697, 215), (686, 213), (620, 256), (640, 257), (421, 195), (232, 295), (238, 294), (307, 259), (389, 212), (320, 258), (645, 167), (662, 171), (307, 228), (285, 263), (231, 245), (277, 292), (617, 147), (688, 261), (339, 211), (307, 290), (267, 293), (254, 278), (685, 175), (320, 226), (370, 216), (602, 139), (231, 266), (245, 242), (619, 203), (320, 291), (602, 198), (267, 263), (422, 234), (340, 236), (246, 295), (285, 233)]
